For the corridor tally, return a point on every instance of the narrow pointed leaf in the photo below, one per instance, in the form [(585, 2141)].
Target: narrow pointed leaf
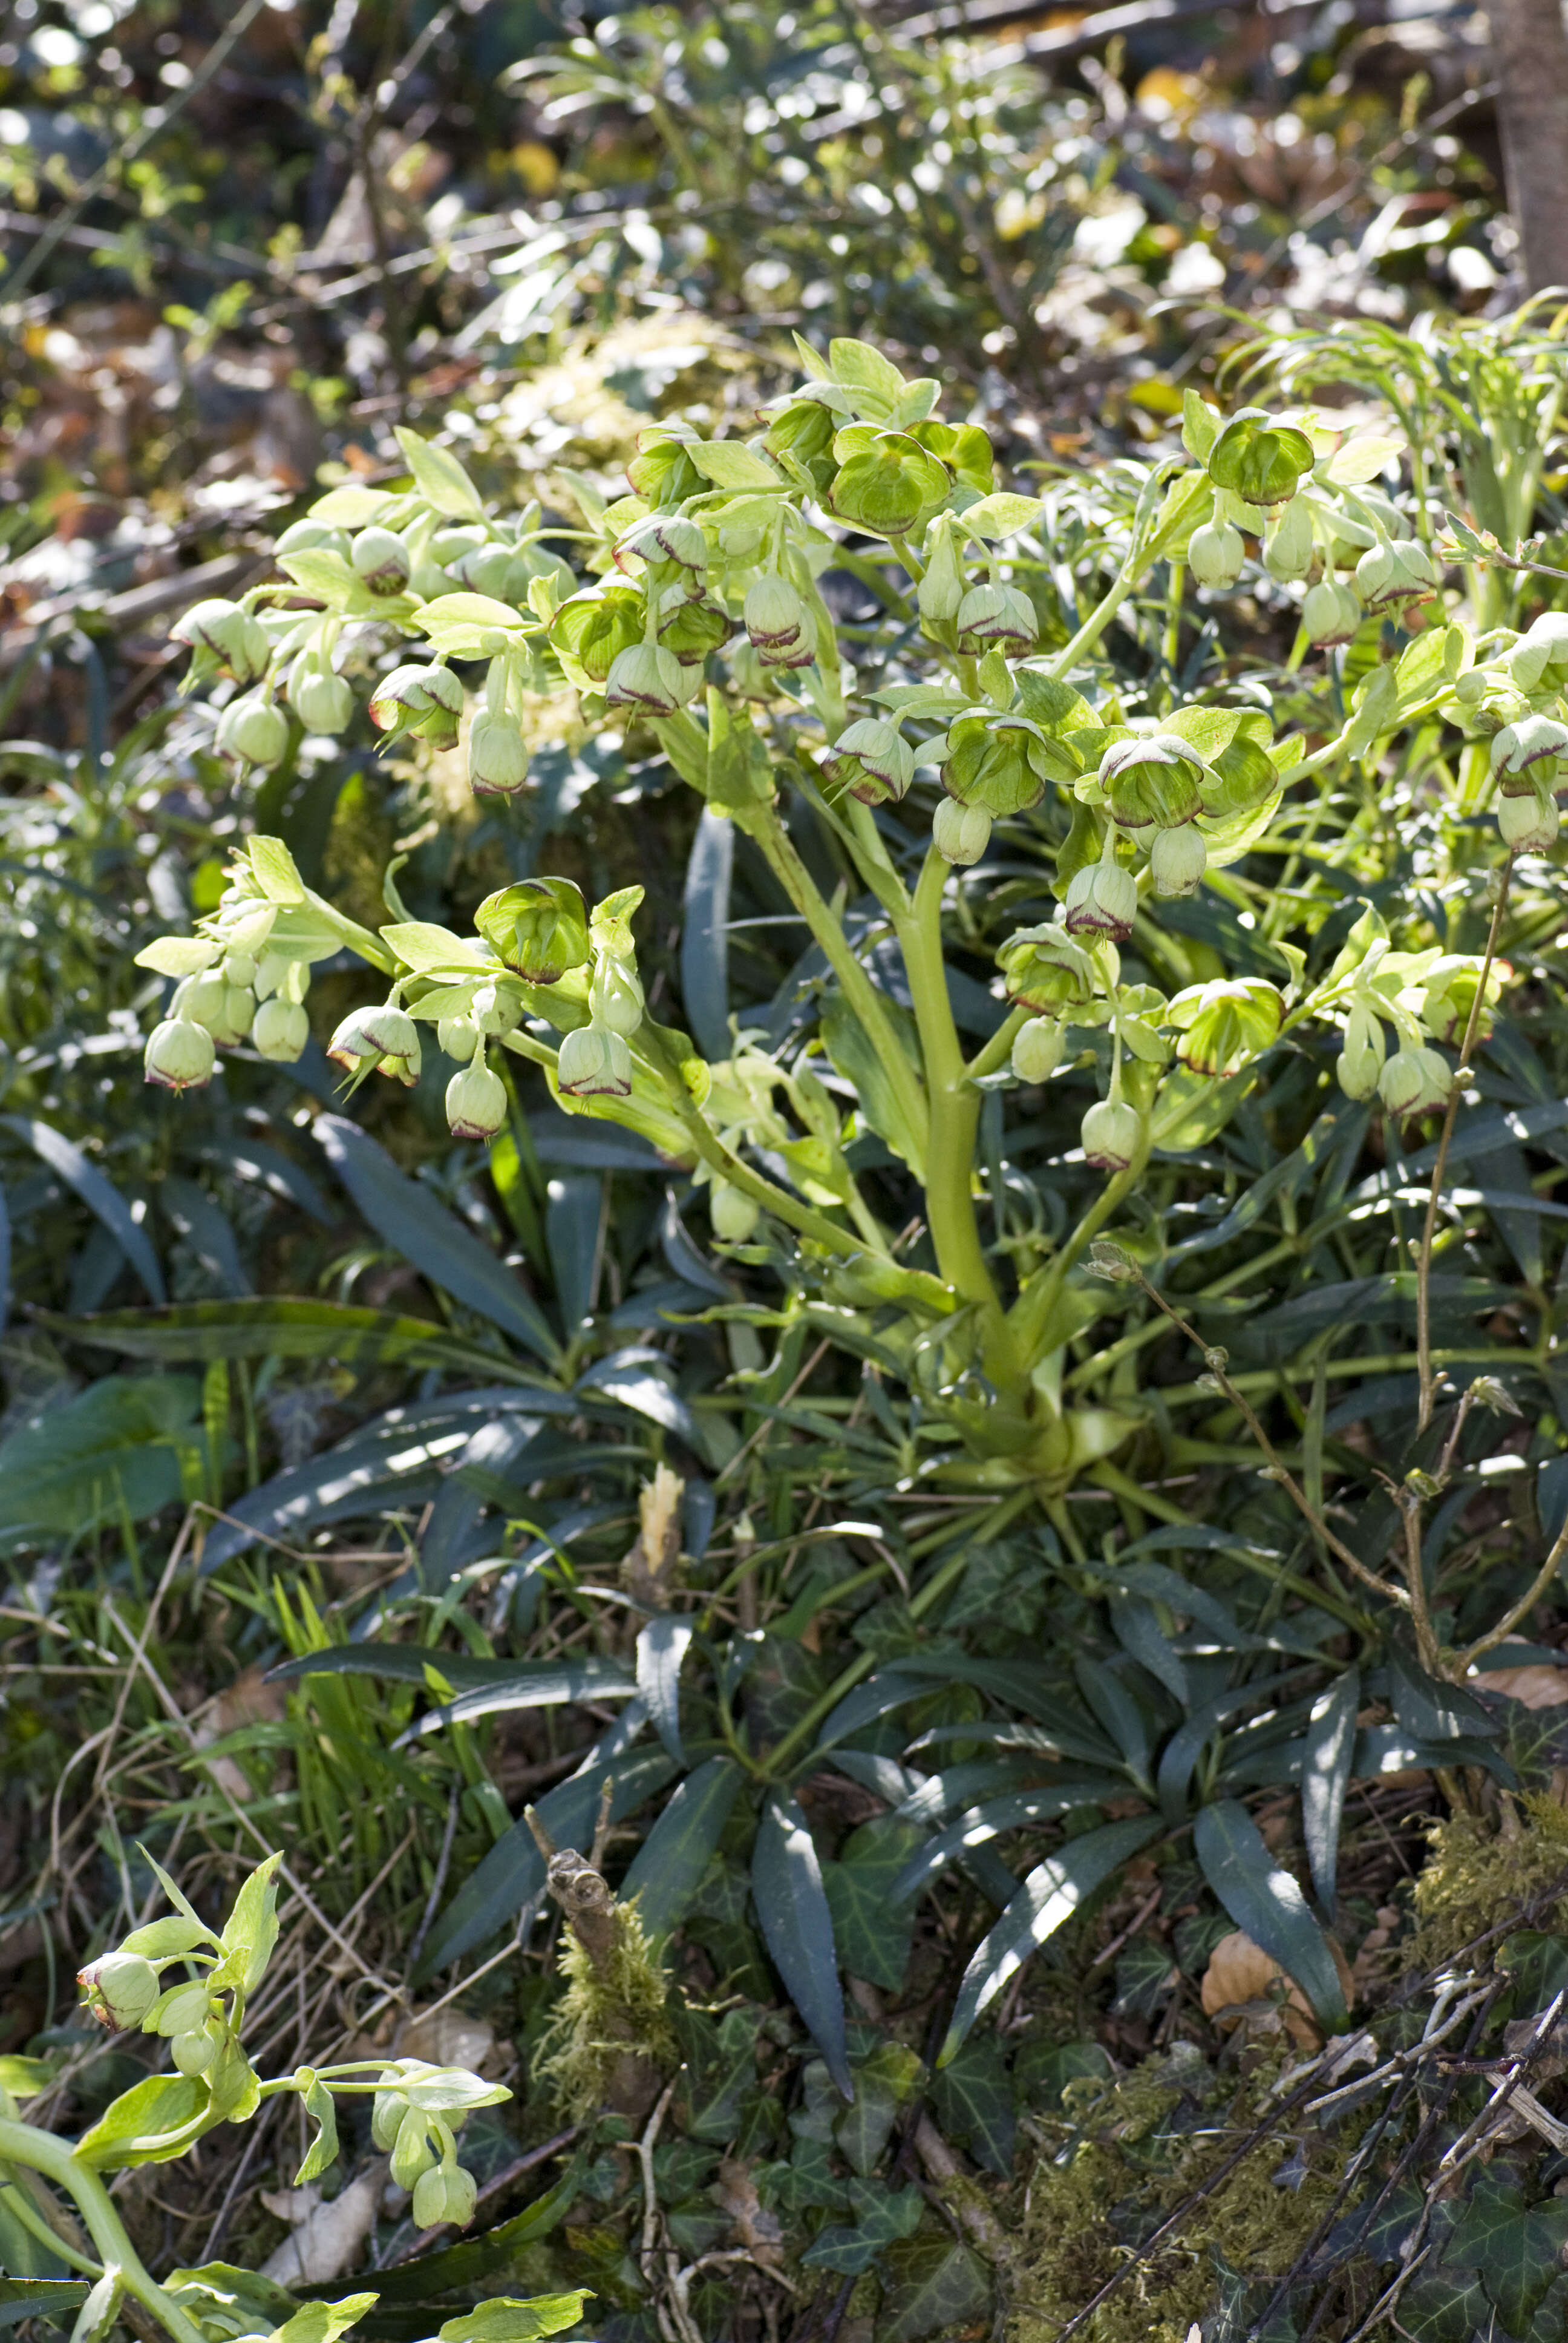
[(99, 1194), (797, 1929), (1325, 1778), (1268, 1905), (661, 1645), (668, 1868), (1050, 1895)]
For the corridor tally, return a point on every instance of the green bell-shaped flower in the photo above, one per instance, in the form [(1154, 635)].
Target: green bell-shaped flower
[(594, 1062), (1215, 554), (886, 483), (996, 619), (1528, 824), (1394, 572), (1037, 1048), (1525, 754), (1154, 778), (1001, 763), (1225, 1024), (592, 628), (692, 625), (1452, 984), (1258, 459), (179, 1055), (872, 761), (1330, 613), (646, 678), (1101, 900), (426, 700), (1287, 541), (498, 756), (1045, 970), (1177, 861), (280, 1030), (1239, 778), (222, 634), (255, 729), (380, 562), (538, 928), (1111, 1133), (961, 833), (661, 470), (664, 537), (476, 1101), (121, 1989), (1415, 1081)]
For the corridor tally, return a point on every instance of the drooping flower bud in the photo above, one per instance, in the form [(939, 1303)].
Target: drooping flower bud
[(185, 2009), (179, 1055), (386, 1032), (498, 756), (238, 968), (1360, 1060), (996, 619), (476, 1101), (1414, 1080), (665, 537), (1177, 859), (646, 679), (255, 729), (594, 1064), (538, 927), (321, 699), (803, 429), (1037, 1049), (1330, 612), (387, 2109), (229, 636), (447, 2193), (1539, 661), (194, 2051), (1101, 900), (424, 700), (961, 833), (1215, 553), (280, 1030), (732, 1214), (778, 623), (380, 562), (412, 2153), (1528, 825), (942, 590), (496, 1009), (1111, 1132), (615, 996), (1154, 778), (1287, 541), (459, 1037), (121, 1989), (1394, 571), (1524, 755), (872, 761)]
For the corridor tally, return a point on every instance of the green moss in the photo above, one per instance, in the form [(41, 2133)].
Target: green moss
[(603, 2020), (1129, 2153), (1476, 1876)]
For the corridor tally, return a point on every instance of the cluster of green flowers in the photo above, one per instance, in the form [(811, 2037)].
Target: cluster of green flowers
[(707, 573)]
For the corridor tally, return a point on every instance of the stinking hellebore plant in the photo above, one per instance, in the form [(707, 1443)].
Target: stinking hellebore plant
[(705, 619), (187, 1984)]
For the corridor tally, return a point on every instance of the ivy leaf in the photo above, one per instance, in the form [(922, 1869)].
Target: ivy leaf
[(882, 2083), (1517, 2250), (882, 2215), (931, 2283), (872, 1933), (972, 2099)]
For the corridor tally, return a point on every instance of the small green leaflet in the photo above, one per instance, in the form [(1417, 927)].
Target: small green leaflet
[(440, 479)]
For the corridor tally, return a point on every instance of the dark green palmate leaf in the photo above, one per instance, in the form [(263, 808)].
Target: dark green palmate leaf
[(1268, 1905), (972, 2099), (1517, 2249), (1052, 1891), (932, 2284), (797, 1928)]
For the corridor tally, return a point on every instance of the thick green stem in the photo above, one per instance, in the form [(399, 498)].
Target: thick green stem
[(955, 1105), (21, 2144), (859, 990), (1099, 618), (1031, 1314)]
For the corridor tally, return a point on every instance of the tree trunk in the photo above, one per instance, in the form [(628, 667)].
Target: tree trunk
[(1530, 40)]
